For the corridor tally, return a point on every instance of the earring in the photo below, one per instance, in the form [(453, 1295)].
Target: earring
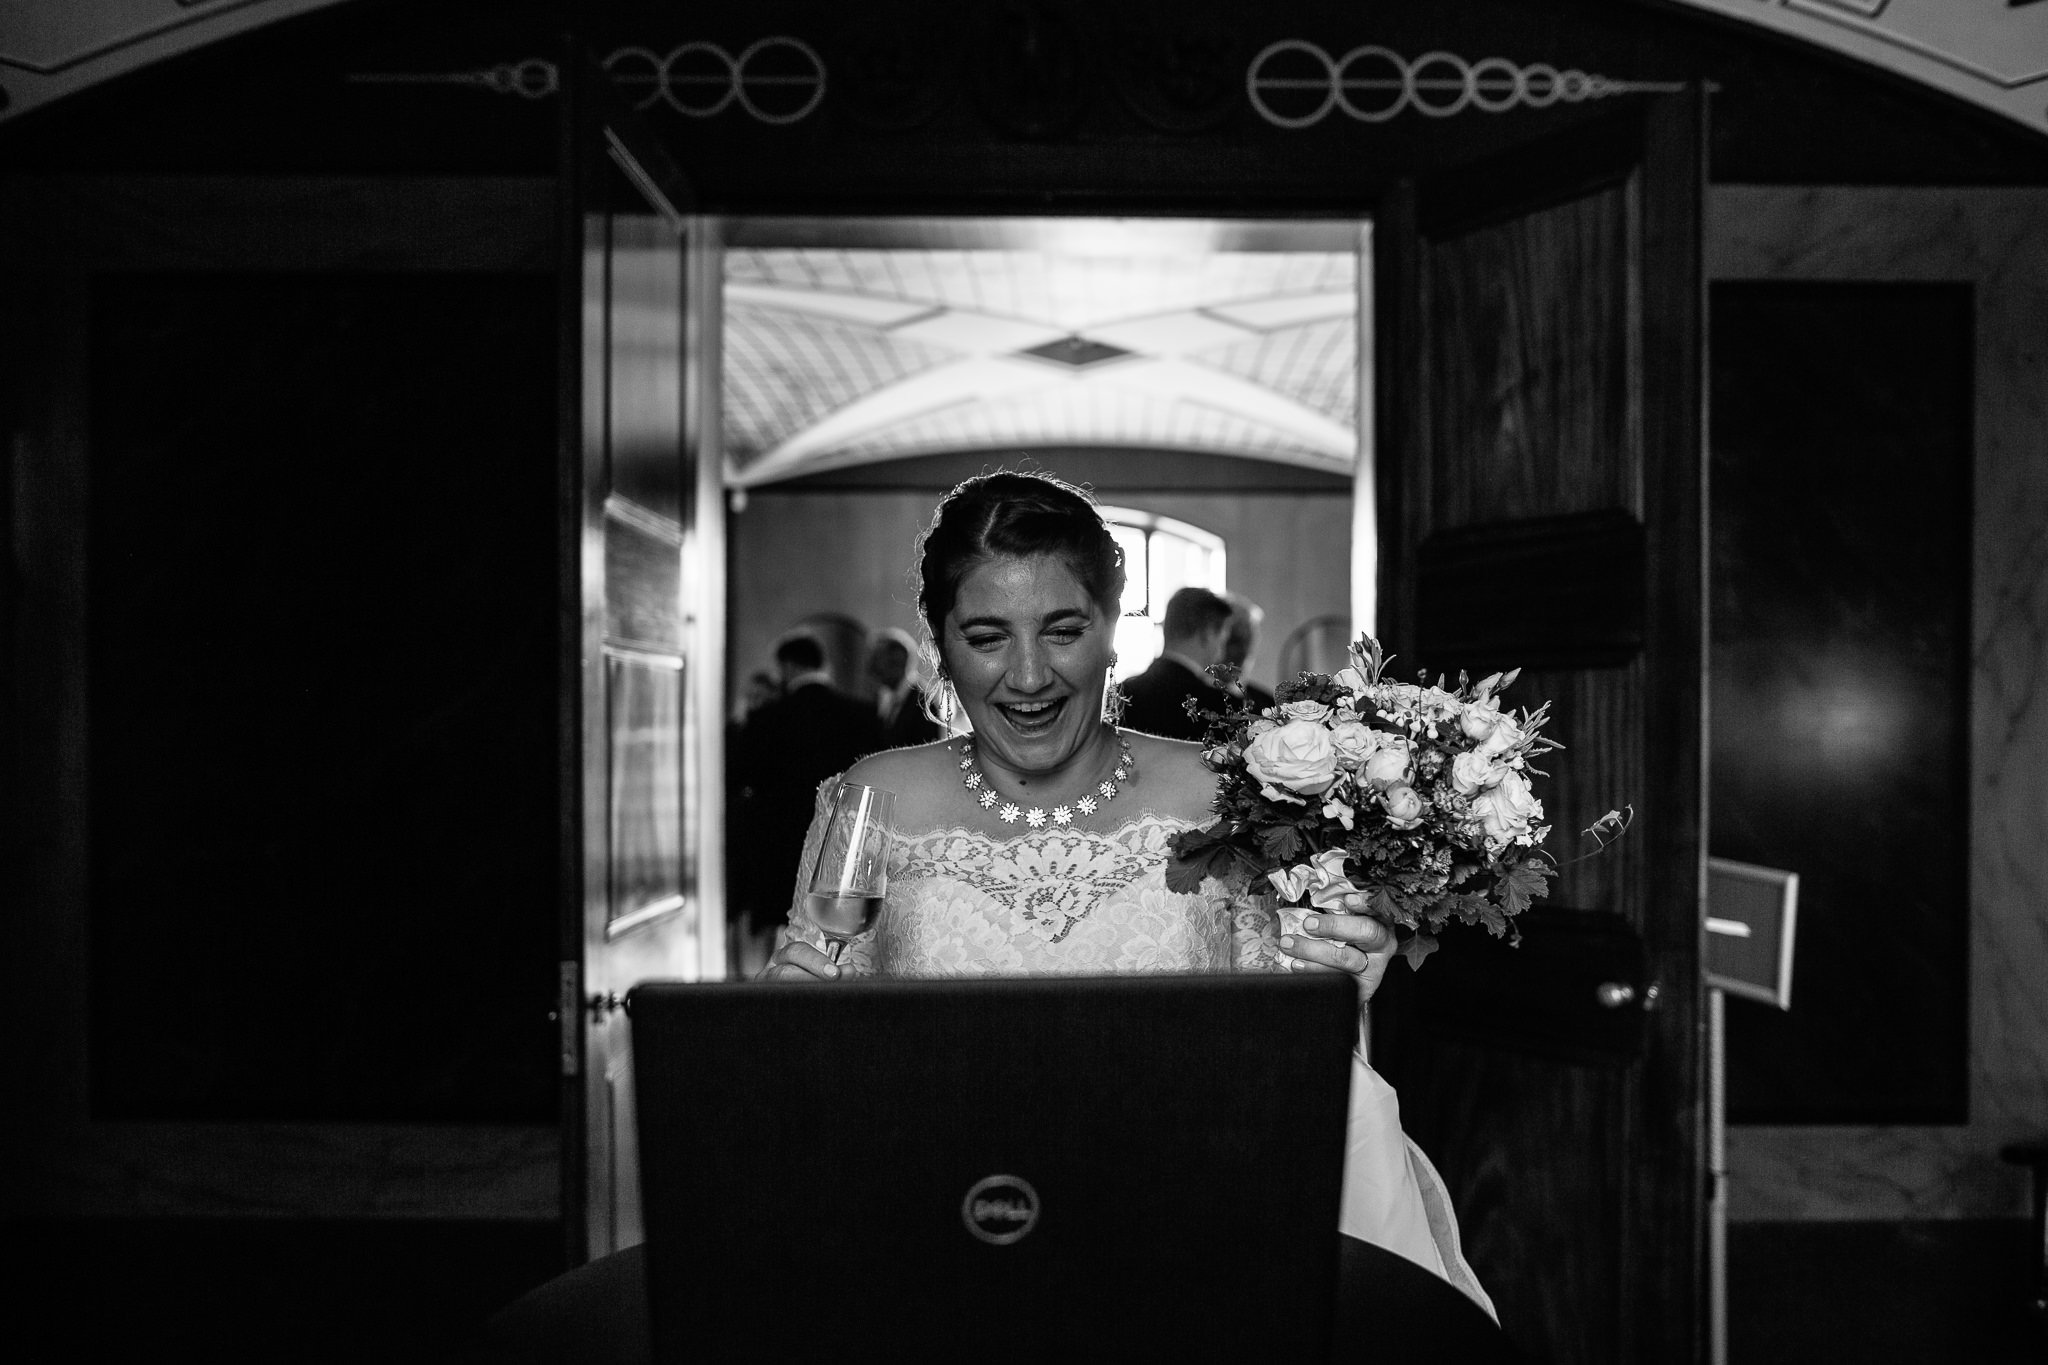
[(946, 698), (1113, 699)]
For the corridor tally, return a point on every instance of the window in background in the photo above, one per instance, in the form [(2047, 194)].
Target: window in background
[(1161, 556)]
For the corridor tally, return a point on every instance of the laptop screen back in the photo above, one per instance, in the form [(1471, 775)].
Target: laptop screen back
[(1011, 1169)]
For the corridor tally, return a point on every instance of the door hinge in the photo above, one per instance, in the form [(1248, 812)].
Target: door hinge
[(569, 1016)]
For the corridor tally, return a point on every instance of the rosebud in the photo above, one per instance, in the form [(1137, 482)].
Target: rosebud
[(1389, 764), (1403, 805)]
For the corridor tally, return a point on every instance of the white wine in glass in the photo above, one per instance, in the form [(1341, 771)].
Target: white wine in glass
[(851, 880)]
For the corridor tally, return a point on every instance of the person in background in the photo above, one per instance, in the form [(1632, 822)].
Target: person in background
[(899, 694), (789, 745), (1237, 648), (1197, 631), (762, 688)]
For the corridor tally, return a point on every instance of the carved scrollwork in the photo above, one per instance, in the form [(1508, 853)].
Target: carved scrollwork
[(1296, 84)]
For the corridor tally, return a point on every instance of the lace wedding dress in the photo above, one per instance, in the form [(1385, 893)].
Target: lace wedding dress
[(1066, 900)]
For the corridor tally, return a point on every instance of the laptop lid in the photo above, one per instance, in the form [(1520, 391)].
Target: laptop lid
[(1012, 1169)]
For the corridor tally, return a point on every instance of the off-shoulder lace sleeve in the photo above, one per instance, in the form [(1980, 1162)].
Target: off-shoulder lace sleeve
[(858, 957), (1255, 928)]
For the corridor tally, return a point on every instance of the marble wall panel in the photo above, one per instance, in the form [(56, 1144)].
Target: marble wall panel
[(1996, 240)]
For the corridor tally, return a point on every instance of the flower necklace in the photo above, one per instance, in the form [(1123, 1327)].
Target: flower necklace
[(972, 779)]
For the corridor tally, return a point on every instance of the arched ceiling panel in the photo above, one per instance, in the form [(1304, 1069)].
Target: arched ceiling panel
[(786, 369), (1315, 364), (1093, 418), (844, 355)]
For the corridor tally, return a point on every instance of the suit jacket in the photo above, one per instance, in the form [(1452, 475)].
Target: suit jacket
[(1156, 700), (785, 750), (909, 725)]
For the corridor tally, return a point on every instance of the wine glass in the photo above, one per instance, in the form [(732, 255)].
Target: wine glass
[(851, 878)]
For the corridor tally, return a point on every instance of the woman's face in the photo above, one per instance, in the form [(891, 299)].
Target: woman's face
[(1028, 651)]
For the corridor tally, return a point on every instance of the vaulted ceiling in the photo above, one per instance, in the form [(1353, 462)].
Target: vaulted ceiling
[(1028, 334)]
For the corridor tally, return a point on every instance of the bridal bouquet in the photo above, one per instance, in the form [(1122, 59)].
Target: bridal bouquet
[(1419, 796)]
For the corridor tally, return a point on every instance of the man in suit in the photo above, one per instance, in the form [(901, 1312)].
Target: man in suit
[(786, 748), (899, 696), (1197, 628), (1237, 649)]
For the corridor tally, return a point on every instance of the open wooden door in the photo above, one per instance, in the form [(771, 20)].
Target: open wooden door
[(1541, 493), (643, 582)]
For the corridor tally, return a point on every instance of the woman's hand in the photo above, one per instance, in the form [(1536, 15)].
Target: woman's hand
[(796, 960), (1352, 942)]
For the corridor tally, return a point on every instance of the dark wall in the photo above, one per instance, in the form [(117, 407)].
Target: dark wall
[(322, 697), (1883, 1293), (1841, 477)]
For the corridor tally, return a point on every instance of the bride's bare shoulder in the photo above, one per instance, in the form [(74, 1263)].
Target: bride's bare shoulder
[(921, 776), (1172, 776)]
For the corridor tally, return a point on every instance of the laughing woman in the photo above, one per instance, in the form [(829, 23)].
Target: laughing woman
[(1038, 843)]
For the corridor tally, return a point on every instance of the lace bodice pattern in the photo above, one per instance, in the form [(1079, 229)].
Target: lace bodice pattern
[(1058, 900)]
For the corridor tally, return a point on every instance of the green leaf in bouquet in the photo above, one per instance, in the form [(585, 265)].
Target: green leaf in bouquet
[(1200, 853), (1384, 906), (1493, 917), (1520, 883), (1416, 949), (1282, 843), (1470, 906)]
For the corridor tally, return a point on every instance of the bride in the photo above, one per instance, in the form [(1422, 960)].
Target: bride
[(1037, 844)]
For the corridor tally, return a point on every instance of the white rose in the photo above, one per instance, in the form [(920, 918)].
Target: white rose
[(1505, 736), (1297, 756), (1474, 771), (1389, 763), (1508, 810), (1304, 710), (1354, 742), (1478, 720)]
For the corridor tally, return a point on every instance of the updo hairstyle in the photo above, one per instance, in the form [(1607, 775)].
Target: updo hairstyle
[(1014, 516)]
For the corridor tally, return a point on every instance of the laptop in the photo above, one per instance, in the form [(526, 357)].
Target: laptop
[(1125, 1167)]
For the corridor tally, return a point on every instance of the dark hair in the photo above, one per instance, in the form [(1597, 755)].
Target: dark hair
[(801, 652), (1010, 515), (1194, 611)]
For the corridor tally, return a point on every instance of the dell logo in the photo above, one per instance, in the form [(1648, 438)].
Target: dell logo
[(999, 1209)]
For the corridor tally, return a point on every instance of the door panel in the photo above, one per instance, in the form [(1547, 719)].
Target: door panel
[(1529, 329), (1541, 484), (643, 576)]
